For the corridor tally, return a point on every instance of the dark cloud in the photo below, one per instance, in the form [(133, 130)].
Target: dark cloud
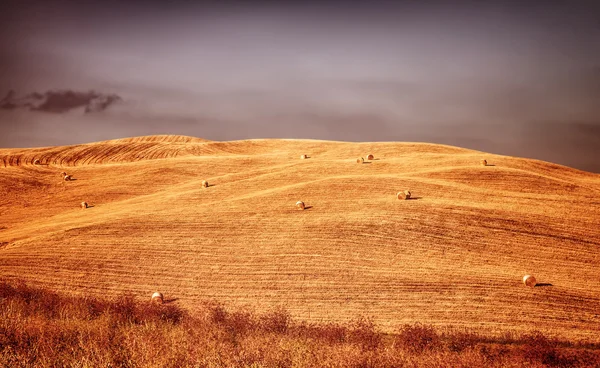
[(60, 101)]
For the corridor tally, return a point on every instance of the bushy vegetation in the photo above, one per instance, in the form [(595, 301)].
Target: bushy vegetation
[(39, 328)]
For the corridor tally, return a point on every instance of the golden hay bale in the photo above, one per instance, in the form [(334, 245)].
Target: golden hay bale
[(370, 157), (204, 184), (403, 195), (63, 174), (84, 205), (529, 280), (483, 162), (300, 205), (303, 157), (360, 160), (158, 298), (67, 177), (36, 162)]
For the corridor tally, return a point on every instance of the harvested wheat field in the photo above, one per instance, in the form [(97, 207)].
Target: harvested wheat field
[(454, 255)]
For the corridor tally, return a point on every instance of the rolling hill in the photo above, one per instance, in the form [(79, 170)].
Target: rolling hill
[(453, 255)]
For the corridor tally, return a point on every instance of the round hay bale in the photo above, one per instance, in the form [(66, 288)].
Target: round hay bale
[(529, 280), (483, 162), (204, 184), (370, 157), (303, 157), (403, 195), (360, 160), (158, 298), (63, 174), (300, 205), (84, 205), (36, 161), (67, 178)]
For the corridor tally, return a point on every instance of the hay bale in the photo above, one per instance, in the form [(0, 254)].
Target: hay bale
[(36, 161), (204, 184), (67, 177), (300, 205), (370, 157), (84, 205), (360, 160), (403, 195), (483, 162), (529, 280), (63, 174), (158, 298), (303, 157)]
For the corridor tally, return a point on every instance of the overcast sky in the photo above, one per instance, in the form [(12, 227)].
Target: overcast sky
[(506, 77)]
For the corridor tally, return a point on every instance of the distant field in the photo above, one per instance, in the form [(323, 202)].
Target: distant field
[(454, 255)]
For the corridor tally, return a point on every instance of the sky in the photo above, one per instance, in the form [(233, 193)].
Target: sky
[(506, 77)]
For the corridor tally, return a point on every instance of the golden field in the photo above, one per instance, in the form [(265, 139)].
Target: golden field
[(452, 256)]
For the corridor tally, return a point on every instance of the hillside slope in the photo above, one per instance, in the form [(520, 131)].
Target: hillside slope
[(452, 256)]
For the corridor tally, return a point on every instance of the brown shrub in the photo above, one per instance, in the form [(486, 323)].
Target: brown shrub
[(538, 348), (277, 320), (417, 338), (459, 341), (330, 333), (362, 332)]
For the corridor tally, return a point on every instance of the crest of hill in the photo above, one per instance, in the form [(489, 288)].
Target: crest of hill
[(170, 146), (454, 254)]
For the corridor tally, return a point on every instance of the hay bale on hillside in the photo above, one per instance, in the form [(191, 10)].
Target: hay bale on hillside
[(84, 205), (300, 205), (67, 178), (529, 280), (158, 298), (63, 174), (370, 157), (204, 184), (403, 195), (303, 157), (37, 161), (483, 162), (360, 160)]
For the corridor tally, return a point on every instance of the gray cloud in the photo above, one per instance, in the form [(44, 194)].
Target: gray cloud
[(60, 101)]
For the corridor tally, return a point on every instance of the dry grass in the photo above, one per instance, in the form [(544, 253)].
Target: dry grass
[(41, 328), (453, 256)]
